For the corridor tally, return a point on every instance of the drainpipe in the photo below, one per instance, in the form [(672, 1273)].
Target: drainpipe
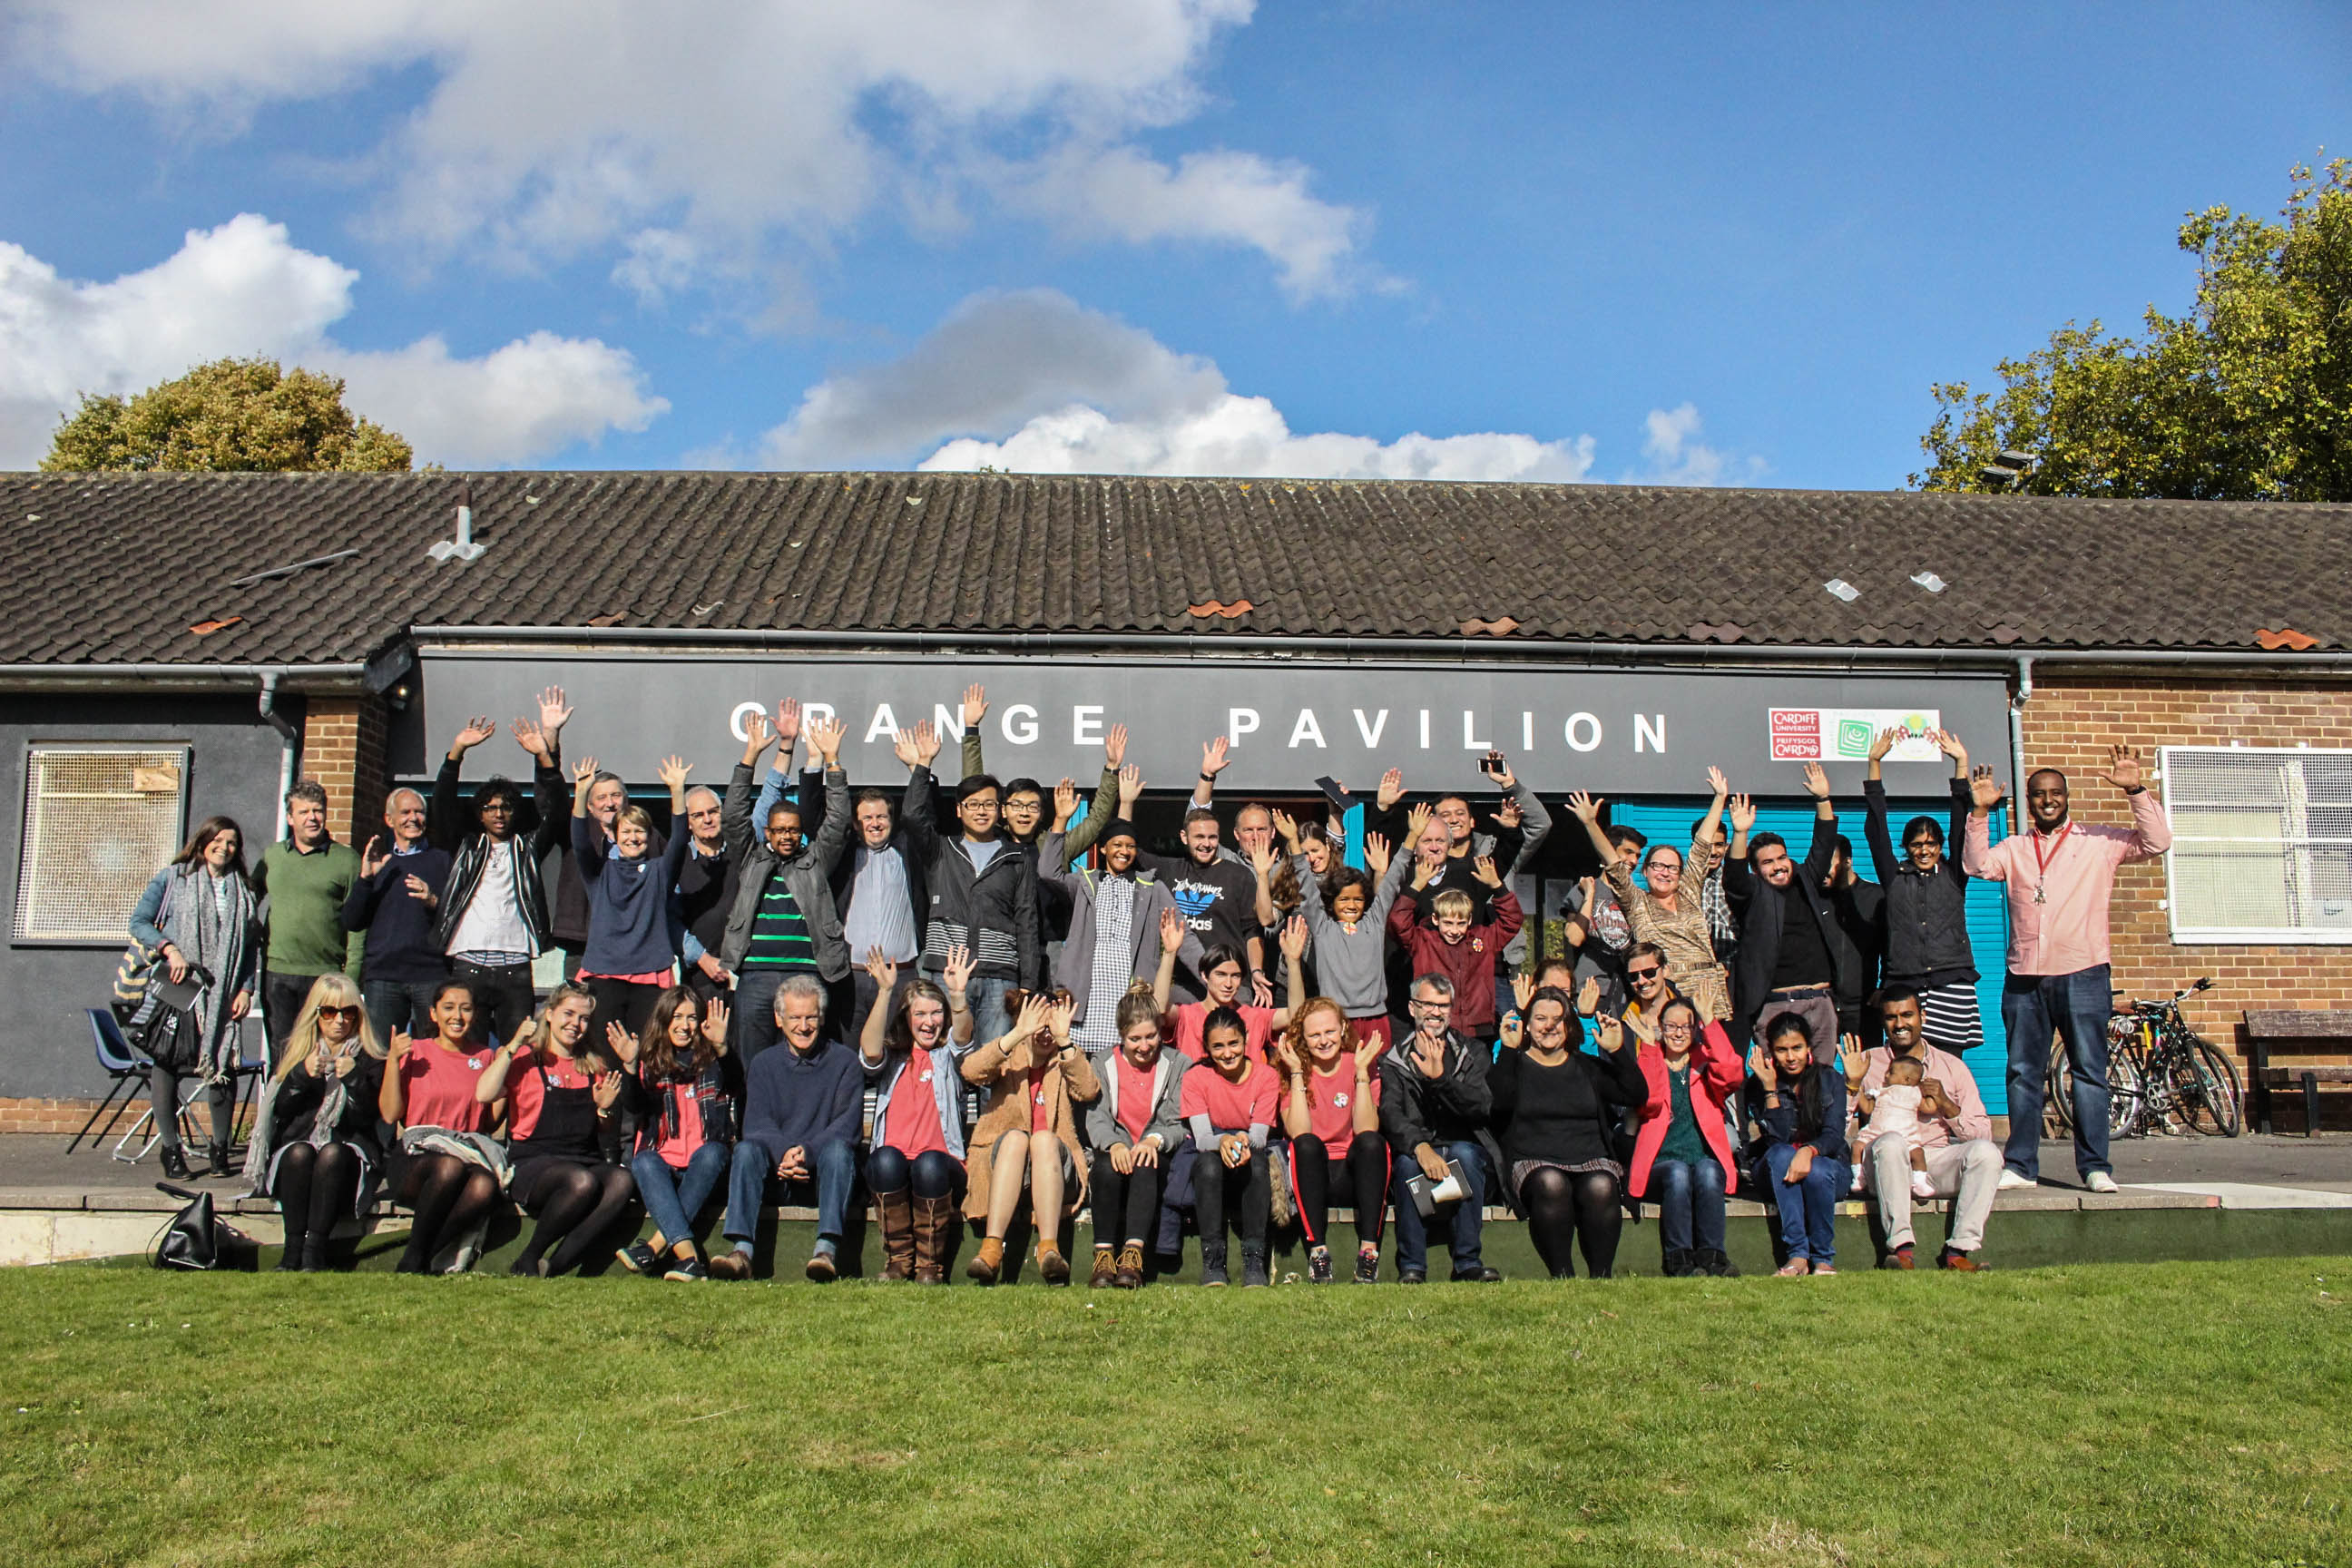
[(2017, 741), (289, 737)]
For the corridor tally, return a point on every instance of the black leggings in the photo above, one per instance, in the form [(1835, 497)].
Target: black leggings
[(1215, 1184), (575, 1202), (1127, 1208), (447, 1197), (932, 1174), (315, 1186), (627, 1002), (1368, 1175), (1573, 1208)]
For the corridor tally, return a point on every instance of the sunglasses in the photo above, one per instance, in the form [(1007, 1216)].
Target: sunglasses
[(1645, 973), (347, 1014)]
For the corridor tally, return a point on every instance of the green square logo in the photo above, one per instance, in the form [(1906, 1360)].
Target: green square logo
[(1854, 737)]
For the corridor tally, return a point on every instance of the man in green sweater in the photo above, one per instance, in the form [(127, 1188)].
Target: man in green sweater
[(302, 880)]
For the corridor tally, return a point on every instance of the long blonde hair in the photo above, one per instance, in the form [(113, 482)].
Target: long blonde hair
[(329, 990)]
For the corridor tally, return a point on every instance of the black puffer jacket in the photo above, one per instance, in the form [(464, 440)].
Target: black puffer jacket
[(1926, 913), (992, 910)]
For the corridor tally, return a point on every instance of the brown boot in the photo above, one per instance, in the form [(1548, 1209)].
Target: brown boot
[(1052, 1266), (987, 1262), (1130, 1268), (934, 1221), (1105, 1270), (897, 1215)]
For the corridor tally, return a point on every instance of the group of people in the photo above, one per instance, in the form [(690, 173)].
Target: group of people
[(994, 998)]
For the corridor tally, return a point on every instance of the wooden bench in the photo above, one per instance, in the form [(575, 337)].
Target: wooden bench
[(2325, 1031)]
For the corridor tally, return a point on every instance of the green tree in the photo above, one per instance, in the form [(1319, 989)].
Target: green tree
[(232, 414), (2248, 397)]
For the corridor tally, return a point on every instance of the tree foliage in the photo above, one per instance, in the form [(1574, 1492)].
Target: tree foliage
[(232, 414), (2248, 397)]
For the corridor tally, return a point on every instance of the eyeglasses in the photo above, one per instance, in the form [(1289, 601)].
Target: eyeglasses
[(1645, 973), (347, 1014), (1428, 1005)]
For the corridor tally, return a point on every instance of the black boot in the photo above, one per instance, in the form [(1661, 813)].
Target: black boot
[(1716, 1264), (219, 1160), (1676, 1264), (314, 1255), (175, 1164), (290, 1260), (1212, 1263)]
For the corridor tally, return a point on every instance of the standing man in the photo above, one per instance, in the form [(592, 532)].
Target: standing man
[(492, 916), (1787, 932), (1216, 893), (2061, 875), (1435, 1104), (1956, 1136), (983, 891), (398, 889), (304, 878), (782, 923), (708, 881)]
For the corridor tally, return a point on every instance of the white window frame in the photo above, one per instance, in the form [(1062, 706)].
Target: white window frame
[(183, 755), (2294, 936)]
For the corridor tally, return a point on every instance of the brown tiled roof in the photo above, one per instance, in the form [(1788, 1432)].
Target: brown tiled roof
[(109, 568)]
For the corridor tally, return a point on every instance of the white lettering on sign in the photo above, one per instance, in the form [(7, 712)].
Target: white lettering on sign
[(1424, 729), (814, 713), (743, 711), (1589, 739), (1526, 731), (885, 723), (1306, 729), (1372, 731), (1020, 724), (1650, 732), (1240, 721), (1470, 740), (1085, 726), (947, 721)]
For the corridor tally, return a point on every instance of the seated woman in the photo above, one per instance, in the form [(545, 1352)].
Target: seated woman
[(323, 1119), (442, 1168), (1331, 1113), (1223, 971), (687, 1093), (1229, 1103), (626, 963), (1683, 1152), (909, 1054), (1556, 1114), (1027, 1134), (1800, 1108), (561, 1108), (1134, 1125)]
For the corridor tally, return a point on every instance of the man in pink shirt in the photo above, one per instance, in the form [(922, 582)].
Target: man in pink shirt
[(1955, 1134), (2060, 877)]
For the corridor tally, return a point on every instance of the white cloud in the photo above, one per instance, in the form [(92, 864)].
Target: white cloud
[(1037, 383), (1677, 455), (244, 289), (555, 125)]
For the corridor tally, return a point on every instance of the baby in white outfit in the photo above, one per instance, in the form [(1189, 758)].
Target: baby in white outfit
[(1894, 1111)]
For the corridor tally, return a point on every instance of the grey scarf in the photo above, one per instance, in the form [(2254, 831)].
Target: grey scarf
[(210, 919)]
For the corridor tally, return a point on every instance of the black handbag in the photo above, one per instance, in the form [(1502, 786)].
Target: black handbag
[(196, 1238), (171, 1038)]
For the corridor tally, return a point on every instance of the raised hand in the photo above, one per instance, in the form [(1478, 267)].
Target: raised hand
[(1852, 1059), (1523, 990), (1503, 775), (1985, 790), (530, 736), (1484, 869), (788, 724), (1115, 747), (1887, 740), (1817, 782), (1368, 1055), (975, 705), (1416, 822), (1609, 1033), (1391, 789), (927, 742), (673, 772), (902, 743), (1131, 787), (1743, 812), (397, 1052), (374, 858), (1065, 803), (1031, 1018), (824, 739), (1261, 860), (714, 1022), (1644, 1028), (955, 974), (478, 730), (1760, 1066), (1293, 937), (885, 973), (1588, 995), (1376, 855), (1508, 812), (2123, 769), (758, 735), (620, 1042), (1951, 746), (1285, 827), (1511, 1031), (607, 1092), (1214, 755), (1058, 1016), (1587, 808), (583, 773), (1172, 929), (1716, 782), (554, 712)]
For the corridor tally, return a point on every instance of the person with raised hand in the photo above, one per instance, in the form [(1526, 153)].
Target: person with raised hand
[(2060, 875), (878, 883), (1331, 1115), (1794, 957), (563, 1105), (1660, 909), (983, 892), (1135, 1127), (492, 917), (1230, 1101), (1116, 917), (1927, 946), (1221, 976), (626, 963), (1347, 916), (1799, 1110), (1682, 1156), (686, 1089), (909, 1052), (440, 1166), (1557, 1109), (1027, 1134), (393, 901), (1437, 1107), (1456, 945), (783, 922)]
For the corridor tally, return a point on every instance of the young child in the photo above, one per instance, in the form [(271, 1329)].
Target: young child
[(1894, 1110), (1463, 952)]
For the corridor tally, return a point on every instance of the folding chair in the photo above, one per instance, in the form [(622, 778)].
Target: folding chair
[(126, 1074)]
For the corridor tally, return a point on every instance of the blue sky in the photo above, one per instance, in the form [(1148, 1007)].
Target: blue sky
[(1698, 243)]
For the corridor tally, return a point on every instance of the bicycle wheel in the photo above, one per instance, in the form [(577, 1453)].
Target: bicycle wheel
[(2213, 1106), (2058, 1100), (2127, 1094)]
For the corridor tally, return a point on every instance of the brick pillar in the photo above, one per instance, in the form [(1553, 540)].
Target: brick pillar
[(343, 747)]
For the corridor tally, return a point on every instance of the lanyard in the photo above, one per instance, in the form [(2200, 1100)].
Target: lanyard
[(2041, 861)]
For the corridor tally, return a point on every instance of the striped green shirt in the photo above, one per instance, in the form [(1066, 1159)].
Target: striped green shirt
[(780, 937)]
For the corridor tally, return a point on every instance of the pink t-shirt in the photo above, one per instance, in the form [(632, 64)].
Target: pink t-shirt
[(1231, 1106), (437, 1087), (1135, 1096), (678, 1148), (1257, 1025), (1331, 1106), (910, 1123)]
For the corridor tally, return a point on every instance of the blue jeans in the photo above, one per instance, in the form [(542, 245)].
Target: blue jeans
[(751, 1178), (755, 1008), (1809, 1209), (404, 1006), (989, 1019), (2076, 1007), (929, 1174), (674, 1197), (1412, 1230), (1690, 1204)]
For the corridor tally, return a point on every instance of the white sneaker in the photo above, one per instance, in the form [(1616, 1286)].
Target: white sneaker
[(2011, 1180), (2100, 1182)]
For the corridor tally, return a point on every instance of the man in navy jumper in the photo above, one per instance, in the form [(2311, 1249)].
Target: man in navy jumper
[(800, 1133), (394, 901)]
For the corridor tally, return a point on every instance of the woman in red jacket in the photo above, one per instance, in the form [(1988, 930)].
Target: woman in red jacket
[(1682, 1157)]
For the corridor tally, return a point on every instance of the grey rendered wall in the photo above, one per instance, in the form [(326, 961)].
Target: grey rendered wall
[(44, 1049)]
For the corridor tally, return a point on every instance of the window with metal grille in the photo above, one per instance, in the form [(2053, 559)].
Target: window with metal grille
[(98, 822), (2261, 843)]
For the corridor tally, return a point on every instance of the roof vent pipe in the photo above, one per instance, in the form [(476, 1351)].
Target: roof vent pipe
[(463, 547), (290, 743)]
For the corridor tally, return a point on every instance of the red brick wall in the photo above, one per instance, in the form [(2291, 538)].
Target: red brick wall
[(2069, 722), (64, 1116), (343, 741)]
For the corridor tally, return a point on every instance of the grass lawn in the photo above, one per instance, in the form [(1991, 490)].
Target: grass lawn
[(2111, 1414)]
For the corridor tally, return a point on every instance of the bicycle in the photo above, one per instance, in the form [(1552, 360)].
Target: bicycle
[(2182, 1083), (2124, 1098)]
